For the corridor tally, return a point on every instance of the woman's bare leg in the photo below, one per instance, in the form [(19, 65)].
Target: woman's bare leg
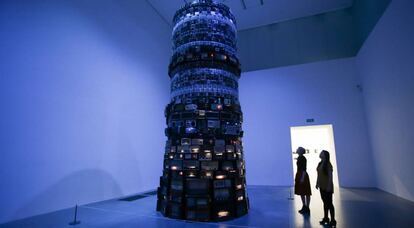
[(308, 199), (303, 200)]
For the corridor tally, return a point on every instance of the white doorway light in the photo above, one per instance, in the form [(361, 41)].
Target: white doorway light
[(314, 139)]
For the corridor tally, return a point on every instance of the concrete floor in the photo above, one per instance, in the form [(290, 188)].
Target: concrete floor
[(270, 207)]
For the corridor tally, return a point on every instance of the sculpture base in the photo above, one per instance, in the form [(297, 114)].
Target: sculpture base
[(203, 207)]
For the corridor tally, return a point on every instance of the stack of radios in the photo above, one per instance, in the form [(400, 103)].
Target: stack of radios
[(204, 170)]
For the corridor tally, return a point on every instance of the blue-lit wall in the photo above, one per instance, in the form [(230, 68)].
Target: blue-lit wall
[(276, 99), (331, 35), (82, 93), (303, 40), (386, 67)]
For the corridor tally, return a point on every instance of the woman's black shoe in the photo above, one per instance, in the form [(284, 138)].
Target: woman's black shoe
[(333, 223), (303, 210), (324, 221)]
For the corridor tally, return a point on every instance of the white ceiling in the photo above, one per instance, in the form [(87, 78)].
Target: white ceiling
[(255, 14)]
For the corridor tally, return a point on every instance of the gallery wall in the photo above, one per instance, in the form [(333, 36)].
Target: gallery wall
[(276, 99), (330, 35), (385, 65), (82, 94), (309, 39)]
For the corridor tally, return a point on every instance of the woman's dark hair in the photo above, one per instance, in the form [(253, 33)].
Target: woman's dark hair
[(301, 149), (326, 165)]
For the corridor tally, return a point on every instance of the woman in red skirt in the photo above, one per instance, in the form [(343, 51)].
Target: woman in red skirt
[(302, 183)]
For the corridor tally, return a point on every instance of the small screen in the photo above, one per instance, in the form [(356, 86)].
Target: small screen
[(221, 193), (197, 185)]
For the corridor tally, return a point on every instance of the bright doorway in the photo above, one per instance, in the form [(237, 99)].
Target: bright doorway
[(314, 139)]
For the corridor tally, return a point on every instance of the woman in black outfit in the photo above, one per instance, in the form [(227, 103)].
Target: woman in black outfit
[(325, 185), (302, 183)]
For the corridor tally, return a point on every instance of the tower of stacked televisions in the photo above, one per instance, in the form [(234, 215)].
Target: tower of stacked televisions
[(204, 170)]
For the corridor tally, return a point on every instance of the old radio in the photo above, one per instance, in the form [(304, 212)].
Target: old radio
[(175, 210), (205, 156), (191, 164), (197, 142), (209, 165), (225, 183), (197, 187), (227, 165), (198, 214), (220, 142), (222, 194), (206, 174), (175, 164), (186, 141)]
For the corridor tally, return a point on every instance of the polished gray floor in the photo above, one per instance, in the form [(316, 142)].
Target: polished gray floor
[(270, 207)]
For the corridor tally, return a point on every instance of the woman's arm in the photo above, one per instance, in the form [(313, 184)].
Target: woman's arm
[(330, 185), (317, 178), (317, 182), (302, 178)]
